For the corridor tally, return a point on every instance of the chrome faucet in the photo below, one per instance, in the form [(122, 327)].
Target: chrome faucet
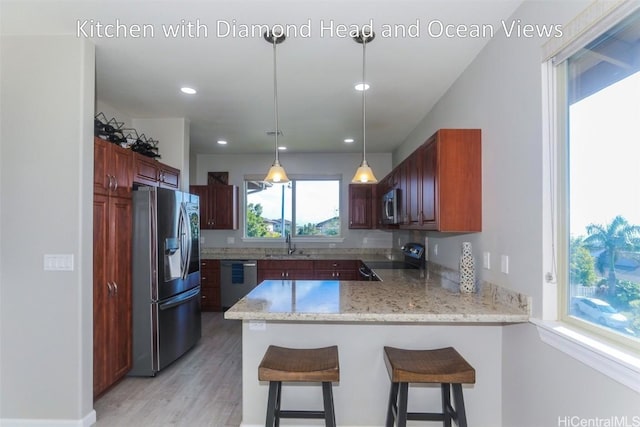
[(290, 250)]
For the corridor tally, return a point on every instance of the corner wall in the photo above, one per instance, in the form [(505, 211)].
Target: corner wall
[(46, 186)]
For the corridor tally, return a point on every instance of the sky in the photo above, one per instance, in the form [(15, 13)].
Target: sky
[(605, 156)]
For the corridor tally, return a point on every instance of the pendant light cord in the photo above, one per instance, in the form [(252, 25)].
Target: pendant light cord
[(275, 92), (364, 107)]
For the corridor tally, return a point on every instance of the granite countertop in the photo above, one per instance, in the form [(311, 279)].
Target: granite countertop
[(401, 296)]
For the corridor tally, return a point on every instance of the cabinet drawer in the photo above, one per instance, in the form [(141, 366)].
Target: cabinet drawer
[(335, 264), (285, 264)]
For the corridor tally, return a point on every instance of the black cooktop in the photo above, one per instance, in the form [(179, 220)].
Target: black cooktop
[(413, 258), (388, 265)]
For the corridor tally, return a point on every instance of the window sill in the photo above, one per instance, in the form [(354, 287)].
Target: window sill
[(619, 365), (280, 240)]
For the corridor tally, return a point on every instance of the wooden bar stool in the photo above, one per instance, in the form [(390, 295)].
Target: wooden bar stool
[(299, 365), (444, 366)]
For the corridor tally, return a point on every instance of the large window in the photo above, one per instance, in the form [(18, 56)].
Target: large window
[(601, 289), (301, 208)]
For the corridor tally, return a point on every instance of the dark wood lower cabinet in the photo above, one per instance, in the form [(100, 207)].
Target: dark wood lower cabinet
[(308, 270), (112, 230), (210, 285)]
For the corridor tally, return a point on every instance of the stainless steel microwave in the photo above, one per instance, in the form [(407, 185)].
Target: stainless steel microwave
[(390, 207)]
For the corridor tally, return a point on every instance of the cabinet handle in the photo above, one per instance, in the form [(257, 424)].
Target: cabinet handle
[(338, 274), (115, 180), (115, 286), (110, 185), (282, 274), (110, 289)]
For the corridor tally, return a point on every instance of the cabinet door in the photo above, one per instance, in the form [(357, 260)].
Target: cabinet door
[(169, 177), (101, 292), (202, 191), (120, 235), (361, 209), (111, 169), (412, 192), (429, 164), (145, 170), (224, 206)]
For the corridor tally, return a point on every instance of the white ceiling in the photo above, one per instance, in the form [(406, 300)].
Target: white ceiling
[(318, 106)]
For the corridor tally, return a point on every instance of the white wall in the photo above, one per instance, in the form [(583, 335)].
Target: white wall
[(501, 92), (46, 185), (295, 164)]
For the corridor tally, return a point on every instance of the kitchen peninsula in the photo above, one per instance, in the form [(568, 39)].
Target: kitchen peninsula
[(408, 308)]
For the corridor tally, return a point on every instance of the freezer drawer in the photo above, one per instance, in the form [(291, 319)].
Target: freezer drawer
[(170, 329)]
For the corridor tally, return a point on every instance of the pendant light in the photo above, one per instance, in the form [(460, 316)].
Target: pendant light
[(364, 174), (276, 174)]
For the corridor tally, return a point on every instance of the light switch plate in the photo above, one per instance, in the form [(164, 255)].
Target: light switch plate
[(486, 260), (58, 262), (504, 264)]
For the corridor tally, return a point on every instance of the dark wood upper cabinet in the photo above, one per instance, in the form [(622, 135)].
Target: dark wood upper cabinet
[(219, 207), (440, 183), (111, 169), (362, 206), (151, 172)]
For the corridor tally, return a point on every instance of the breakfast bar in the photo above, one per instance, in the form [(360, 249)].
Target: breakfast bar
[(410, 309)]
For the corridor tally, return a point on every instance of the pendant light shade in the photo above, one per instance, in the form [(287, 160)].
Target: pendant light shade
[(364, 174), (276, 174)]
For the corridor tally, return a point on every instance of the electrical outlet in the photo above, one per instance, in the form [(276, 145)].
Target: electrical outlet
[(364, 240), (504, 264), (435, 249), (231, 240), (486, 260), (257, 325)]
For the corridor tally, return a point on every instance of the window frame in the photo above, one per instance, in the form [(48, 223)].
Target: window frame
[(295, 236), (570, 333)]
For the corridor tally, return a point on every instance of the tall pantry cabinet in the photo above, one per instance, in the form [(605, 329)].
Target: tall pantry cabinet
[(112, 231)]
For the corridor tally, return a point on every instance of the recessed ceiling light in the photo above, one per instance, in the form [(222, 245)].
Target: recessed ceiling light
[(348, 140), (222, 142), (188, 90), (282, 147), (362, 86)]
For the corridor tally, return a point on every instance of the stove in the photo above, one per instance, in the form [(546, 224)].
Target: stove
[(414, 258)]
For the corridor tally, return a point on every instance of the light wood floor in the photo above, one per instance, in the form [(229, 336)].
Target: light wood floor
[(203, 388)]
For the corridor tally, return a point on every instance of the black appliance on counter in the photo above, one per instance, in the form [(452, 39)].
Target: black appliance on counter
[(414, 258)]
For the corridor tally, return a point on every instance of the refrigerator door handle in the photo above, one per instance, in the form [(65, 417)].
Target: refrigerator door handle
[(180, 299), (184, 229)]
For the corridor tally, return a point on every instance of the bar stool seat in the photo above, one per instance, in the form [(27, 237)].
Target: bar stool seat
[(281, 364), (444, 366)]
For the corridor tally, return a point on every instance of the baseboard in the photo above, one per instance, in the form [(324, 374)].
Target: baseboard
[(87, 421)]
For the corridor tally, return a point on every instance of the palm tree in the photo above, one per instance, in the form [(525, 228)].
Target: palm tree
[(615, 237)]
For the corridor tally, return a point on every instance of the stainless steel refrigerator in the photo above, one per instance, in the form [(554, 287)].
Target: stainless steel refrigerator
[(166, 277)]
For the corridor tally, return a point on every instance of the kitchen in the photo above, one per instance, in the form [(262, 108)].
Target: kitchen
[(547, 382)]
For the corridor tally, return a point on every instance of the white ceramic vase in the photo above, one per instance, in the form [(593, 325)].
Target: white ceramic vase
[(467, 269)]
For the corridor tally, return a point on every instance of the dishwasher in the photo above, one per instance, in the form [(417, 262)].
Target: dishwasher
[(237, 278)]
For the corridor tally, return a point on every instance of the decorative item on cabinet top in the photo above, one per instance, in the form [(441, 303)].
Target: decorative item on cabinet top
[(114, 131)]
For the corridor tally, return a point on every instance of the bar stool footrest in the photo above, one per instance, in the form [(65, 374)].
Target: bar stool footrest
[(302, 414), (425, 416)]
